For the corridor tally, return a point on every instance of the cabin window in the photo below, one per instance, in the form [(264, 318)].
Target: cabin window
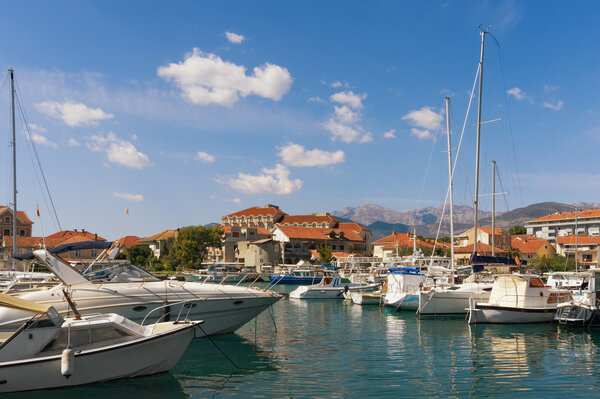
[(536, 283), (106, 334), (85, 337)]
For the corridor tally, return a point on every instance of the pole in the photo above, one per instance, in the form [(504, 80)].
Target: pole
[(450, 193), (14, 162), (576, 239), (476, 204), (493, 208)]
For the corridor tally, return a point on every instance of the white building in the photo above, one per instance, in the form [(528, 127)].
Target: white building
[(563, 224)]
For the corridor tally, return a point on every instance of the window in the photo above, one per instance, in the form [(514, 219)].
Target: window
[(22, 232), (6, 232), (235, 234), (93, 252), (85, 337), (341, 247), (7, 219), (333, 247), (78, 253), (535, 282), (586, 257)]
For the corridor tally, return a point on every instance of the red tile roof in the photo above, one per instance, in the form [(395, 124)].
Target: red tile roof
[(592, 213), (528, 244), (340, 255), (22, 215), (312, 233), (258, 211), (481, 249), (393, 238), (22, 242), (405, 239), (129, 241), (497, 231), (582, 239), (163, 235), (352, 226), (308, 219)]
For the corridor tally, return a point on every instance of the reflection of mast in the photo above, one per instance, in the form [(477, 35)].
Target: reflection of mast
[(14, 156), (476, 203)]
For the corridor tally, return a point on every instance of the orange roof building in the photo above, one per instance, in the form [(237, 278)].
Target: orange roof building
[(255, 216), (24, 224), (563, 224), (533, 247), (585, 247)]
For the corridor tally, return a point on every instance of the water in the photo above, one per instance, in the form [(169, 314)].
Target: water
[(334, 349)]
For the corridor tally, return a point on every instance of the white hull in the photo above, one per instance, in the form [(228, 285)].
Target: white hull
[(145, 356), (360, 298), (223, 309), (317, 293), (505, 315), (433, 303), (403, 301)]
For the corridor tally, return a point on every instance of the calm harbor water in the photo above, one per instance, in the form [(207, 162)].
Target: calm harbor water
[(334, 349)]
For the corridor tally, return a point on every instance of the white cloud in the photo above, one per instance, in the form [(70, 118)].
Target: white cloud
[(129, 197), (37, 128), (296, 155), (342, 132), (548, 88), (74, 143), (73, 114), (336, 84), (42, 140), (425, 118), (212, 197), (119, 151), (273, 181), (554, 107), (207, 79), (367, 138), (345, 115), (205, 157), (516, 93), (349, 98), (236, 200), (390, 134), (234, 38), (423, 134), (317, 99)]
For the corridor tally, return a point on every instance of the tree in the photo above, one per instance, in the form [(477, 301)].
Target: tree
[(513, 253), (192, 243), (517, 230), (325, 253), (139, 255)]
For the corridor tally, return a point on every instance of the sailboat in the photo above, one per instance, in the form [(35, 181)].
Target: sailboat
[(454, 299)]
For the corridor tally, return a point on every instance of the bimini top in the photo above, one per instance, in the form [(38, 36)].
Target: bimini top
[(8, 301), (403, 270), (68, 247)]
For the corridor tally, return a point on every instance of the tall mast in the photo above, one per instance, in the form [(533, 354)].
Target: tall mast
[(476, 207), (450, 193), (14, 159), (576, 239), (493, 208)]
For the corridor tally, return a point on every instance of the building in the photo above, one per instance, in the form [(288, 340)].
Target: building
[(298, 242), (562, 224), (24, 224), (584, 246), (232, 237), (256, 216), (387, 247), (158, 242), (484, 235), (533, 247)]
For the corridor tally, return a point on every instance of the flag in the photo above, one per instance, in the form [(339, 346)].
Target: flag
[(518, 261), (127, 211), (37, 210)]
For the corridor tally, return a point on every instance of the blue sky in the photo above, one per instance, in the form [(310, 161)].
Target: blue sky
[(182, 112)]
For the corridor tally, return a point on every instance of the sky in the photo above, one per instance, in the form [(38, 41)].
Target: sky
[(151, 115)]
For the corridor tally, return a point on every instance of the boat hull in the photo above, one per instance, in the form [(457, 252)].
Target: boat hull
[(493, 314), (432, 303), (408, 302), (145, 356), (294, 280), (580, 316)]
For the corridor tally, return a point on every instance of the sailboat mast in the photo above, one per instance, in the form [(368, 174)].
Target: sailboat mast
[(14, 161), (493, 208), (450, 193), (476, 203)]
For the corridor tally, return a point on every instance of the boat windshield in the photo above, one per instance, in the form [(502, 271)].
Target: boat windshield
[(117, 273)]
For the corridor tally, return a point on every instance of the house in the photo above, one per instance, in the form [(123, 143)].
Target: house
[(532, 247), (24, 224), (484, 235), (158, 242), (561, 224), (255, 216), (388, 246), (129, 241), (232, 236), (297, 242), (585, 247)]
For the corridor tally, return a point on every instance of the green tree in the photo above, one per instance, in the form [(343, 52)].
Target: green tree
[(191, 246), (517, 230), (139, 255), (325, 253), (513, 253)]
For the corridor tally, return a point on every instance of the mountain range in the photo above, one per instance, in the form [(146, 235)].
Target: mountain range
[(382, 221)]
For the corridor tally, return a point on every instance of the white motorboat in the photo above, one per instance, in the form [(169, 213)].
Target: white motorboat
[(48, 351), (403, 284), (131, 292), (518, 298), (332, 286), (453, 299)]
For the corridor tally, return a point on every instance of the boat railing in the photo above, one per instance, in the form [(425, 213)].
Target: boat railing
[(166, 311), (533, 301)]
